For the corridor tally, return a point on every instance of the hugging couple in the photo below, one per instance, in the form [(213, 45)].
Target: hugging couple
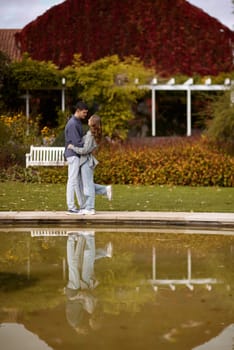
[(81, 162)]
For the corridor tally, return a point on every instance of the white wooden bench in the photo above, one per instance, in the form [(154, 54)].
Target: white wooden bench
[(45, 156)]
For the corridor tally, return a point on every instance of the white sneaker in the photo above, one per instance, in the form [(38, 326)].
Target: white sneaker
[(88, 212), (109, 192)]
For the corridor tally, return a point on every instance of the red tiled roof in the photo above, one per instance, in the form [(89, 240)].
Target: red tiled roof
[(8, 43)]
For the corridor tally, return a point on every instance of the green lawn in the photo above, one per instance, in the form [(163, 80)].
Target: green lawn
[(17, 196)]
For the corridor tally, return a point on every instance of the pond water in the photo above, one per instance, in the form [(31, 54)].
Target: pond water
[(68, 288)]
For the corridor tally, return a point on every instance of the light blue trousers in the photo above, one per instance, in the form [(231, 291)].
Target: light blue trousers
[(90, 189), (81, 255), (74, 184)]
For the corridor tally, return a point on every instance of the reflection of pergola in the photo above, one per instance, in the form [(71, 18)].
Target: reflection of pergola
[(188, 87), (189, 282)]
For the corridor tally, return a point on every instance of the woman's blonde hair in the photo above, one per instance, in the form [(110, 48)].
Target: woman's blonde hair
[(95, 126)]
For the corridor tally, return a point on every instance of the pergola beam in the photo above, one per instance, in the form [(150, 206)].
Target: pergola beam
[(188, 87)]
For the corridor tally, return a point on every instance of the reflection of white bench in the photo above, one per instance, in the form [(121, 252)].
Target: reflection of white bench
[(45, 156), (49, 232)]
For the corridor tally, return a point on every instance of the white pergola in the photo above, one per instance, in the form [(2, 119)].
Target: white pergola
[(187, 281), (188, 86)]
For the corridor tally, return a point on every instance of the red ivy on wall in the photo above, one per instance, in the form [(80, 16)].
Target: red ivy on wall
[(173, 37)]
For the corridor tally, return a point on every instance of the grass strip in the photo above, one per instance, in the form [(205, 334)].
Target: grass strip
[(16, 196)]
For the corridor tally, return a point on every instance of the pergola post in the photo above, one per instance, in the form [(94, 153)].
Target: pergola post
[(188, 86), (189, 120), (153, 106), (27, 97), (63, 95), (153, 112)]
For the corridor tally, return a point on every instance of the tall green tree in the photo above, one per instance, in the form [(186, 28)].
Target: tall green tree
[(41, 80), (112, 85), (31, 74)]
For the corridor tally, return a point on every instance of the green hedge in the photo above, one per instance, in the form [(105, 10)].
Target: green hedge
[(182, 163)]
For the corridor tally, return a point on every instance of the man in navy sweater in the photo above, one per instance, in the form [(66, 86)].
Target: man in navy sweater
[(74, 135)]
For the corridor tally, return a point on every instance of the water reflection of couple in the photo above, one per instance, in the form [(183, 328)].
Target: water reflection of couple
[(81, 256)]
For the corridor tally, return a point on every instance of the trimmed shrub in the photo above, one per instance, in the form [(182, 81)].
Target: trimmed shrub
[(182, 162)]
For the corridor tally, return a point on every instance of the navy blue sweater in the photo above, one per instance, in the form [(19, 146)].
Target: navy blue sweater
[(73, 135)]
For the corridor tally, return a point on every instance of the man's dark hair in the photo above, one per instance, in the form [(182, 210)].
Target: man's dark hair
[(81, 105)]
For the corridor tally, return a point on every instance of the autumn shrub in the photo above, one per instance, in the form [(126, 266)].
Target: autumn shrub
[(182, 163), (220, 129), (17, 133), (11, 151), (192, 164)]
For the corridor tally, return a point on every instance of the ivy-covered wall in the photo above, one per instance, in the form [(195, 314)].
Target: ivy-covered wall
[(171, 36)]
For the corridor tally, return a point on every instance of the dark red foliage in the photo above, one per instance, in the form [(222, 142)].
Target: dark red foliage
[(175, 37)]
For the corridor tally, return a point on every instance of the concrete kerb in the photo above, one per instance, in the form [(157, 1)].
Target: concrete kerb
[(114, 218)]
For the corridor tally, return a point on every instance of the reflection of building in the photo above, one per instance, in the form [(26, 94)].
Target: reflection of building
[(17, 336), (224, 341), (189, 282), (165, 319)]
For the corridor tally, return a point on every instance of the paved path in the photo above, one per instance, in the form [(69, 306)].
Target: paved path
[(111, 218)]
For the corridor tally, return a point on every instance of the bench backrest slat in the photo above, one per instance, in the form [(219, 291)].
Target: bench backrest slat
[(45, 156)]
